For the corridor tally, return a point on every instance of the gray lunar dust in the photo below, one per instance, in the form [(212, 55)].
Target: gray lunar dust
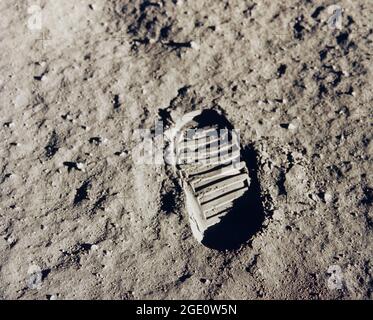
[(80, 219)]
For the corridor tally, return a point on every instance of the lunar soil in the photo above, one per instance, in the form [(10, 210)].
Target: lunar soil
[(81, 218)]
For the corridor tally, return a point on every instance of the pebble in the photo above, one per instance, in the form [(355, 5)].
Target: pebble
[(80, 166), (35, 277), (9, 124), (195, 45), (11, 240), (328, 197), (292, 126)]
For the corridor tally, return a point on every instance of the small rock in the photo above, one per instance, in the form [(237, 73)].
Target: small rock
[(328, 197), (195, 45), (35, 277), (292, 126), (80, 166), (11, 240)]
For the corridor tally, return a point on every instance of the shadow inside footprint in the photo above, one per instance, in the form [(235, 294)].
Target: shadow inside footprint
[(247, 217)]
